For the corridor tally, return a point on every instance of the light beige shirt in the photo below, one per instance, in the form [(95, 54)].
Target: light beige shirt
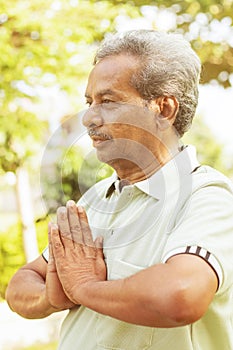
[(177, 210)]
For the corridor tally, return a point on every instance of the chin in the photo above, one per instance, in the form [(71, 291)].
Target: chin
[(106, 154), (104, 157)]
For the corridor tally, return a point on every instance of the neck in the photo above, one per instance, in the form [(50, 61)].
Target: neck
[(129, 170), (134, 174)]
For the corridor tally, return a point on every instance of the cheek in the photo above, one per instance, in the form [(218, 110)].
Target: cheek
[(117, 130), (130, 132)]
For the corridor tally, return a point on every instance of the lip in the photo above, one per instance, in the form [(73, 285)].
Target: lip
[(98, 138), (98, 141)]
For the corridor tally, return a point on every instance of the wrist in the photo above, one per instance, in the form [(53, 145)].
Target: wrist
[(85, 293)]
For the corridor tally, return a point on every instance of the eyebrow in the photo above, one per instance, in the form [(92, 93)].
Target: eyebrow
[(102, 93)]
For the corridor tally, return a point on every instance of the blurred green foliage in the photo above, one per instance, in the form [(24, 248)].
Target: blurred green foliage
[(209, 151), (12, 253), (207, 24), (79, 173), (19, 133), (72, 176), (50, 346)]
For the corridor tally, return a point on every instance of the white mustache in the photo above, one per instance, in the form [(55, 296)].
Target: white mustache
[(93, 132)]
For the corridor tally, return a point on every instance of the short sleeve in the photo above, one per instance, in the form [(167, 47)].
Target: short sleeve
[(204, 227), (45, 254)]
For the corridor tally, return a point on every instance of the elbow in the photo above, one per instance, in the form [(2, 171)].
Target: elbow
[(9, 297), (15, 303), (185, 308)]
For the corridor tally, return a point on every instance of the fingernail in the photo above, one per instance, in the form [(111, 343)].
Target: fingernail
[(61, 210), (54, 226), (70, 203)]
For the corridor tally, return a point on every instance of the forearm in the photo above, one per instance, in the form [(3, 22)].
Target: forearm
[(158, 296), (26, 295), (137, 299)]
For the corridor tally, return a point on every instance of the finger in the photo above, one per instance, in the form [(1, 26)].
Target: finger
[(51, 256), (99, 246), (99, 242), (75, 226), (63, 223), (57, 246), (86, 231)]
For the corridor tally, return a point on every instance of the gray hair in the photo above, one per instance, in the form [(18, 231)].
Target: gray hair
[(168, 67)]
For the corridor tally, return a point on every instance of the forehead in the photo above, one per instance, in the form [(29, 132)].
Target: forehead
[(112, 72)]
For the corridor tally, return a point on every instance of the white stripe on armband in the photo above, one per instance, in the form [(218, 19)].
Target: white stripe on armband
[(202, 253), (45, 254)]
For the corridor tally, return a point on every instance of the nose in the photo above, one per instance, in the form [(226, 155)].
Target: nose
[(92, 117)]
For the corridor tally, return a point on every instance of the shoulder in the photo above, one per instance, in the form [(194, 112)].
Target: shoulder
[(206, 176)]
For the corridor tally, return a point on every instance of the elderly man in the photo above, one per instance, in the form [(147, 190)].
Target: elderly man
[(144, 261)]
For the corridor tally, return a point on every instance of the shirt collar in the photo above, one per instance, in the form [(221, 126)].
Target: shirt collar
[(168, 178)]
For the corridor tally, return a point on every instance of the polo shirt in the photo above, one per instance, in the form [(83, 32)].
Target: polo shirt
[(182, 208)]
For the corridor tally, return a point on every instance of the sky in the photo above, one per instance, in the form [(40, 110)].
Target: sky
[(216, 107)]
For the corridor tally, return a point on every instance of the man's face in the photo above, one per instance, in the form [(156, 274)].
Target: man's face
[(118, 121)]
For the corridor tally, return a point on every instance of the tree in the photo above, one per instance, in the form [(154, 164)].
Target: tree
[(19, 133), (207, 24)]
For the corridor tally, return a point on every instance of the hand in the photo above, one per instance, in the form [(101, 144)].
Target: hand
[(79, 260), (55, 293)]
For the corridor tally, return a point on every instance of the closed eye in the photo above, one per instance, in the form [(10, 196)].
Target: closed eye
[(106, 101)]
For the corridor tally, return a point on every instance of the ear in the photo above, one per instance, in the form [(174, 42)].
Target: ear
[(167, 107)]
